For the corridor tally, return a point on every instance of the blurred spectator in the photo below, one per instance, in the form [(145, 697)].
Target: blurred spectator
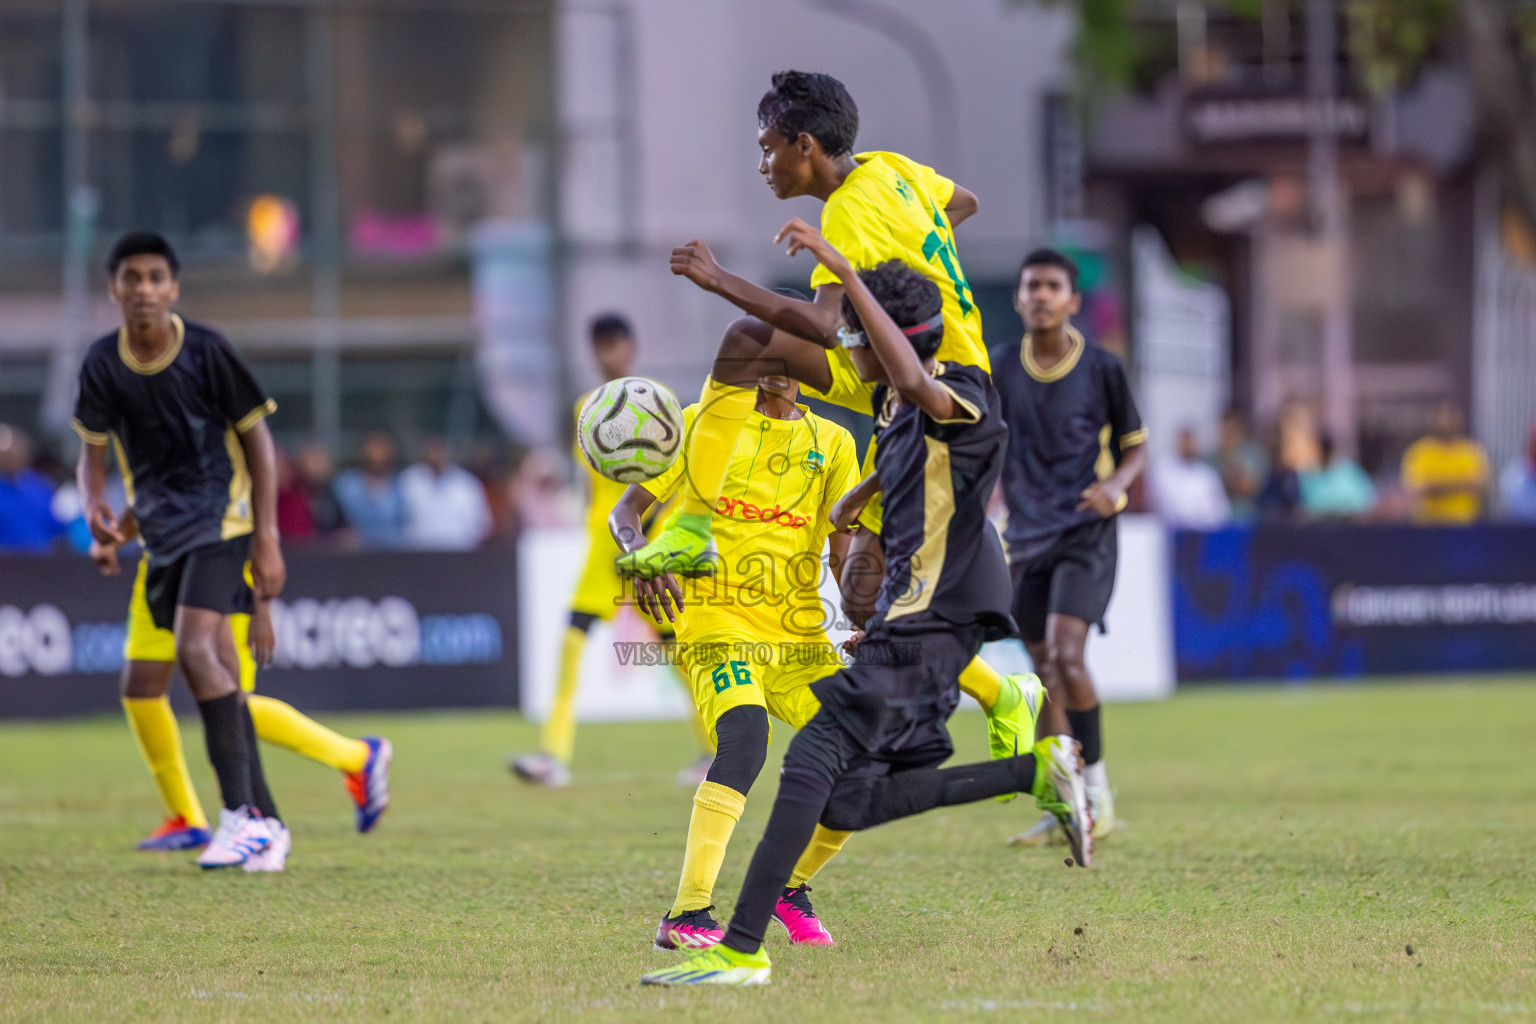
[(485, 461), (1187, 491), (538, 492), (445, 506), (1338, 489), (27, 522), (1241, 462), (1517, 484), (307, 508), (1280, 498), (1446, 472), (315, 473), (1295, 450), (370, 494), (1300, 450), (294, 522)]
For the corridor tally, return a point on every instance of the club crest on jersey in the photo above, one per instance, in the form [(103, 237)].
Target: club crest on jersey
[(815, 462)]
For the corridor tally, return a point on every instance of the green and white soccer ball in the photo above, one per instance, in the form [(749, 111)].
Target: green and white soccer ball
[(630, 429)]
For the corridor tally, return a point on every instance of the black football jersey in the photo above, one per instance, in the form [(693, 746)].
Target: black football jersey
[(943, 558), (175, 424), (1067, 427)]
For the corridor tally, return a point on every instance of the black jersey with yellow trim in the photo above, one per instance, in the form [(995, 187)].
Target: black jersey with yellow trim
[(1067, 427), (176, 423), (944, 560)]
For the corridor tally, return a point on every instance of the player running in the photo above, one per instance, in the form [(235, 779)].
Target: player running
[(1075, 444), (879, 206), (871, 754), (753, 636), (599, 593), (189, 422), (149, 655)]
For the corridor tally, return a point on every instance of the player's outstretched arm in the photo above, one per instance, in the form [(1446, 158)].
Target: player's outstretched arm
[(902, 367), (962, 206), (814, 321), (656, 597), (268, 571)]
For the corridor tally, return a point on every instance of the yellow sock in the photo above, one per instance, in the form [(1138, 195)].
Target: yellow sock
[(240, 626), (723, 409), (154, 726), (288, 727), (823, 847), (716, 810), (981, 681), (558, 737)]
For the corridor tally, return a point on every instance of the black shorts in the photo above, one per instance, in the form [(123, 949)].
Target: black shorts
[(211, 577), (1074, 576), (896, 697)]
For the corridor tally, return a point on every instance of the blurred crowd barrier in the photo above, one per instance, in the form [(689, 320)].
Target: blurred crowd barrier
[(397, 629), (355, 630), (1281, 601)]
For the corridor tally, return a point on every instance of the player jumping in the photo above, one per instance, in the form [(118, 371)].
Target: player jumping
[(1075, 444), (753, 635), (871, 754), (879, 206), (189, 422)]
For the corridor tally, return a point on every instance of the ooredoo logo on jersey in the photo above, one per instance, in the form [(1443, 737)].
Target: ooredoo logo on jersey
[(745, 511)]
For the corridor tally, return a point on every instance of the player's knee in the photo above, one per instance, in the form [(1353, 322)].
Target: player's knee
[(1068, 662), (742, 747)]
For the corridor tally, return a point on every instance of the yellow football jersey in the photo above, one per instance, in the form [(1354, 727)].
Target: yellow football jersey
[(890, 208), (771, 523)]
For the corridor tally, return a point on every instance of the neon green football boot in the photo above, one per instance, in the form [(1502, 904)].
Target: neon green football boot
[(1011, 722), (685, 548), (1060, 790), (717, 965)]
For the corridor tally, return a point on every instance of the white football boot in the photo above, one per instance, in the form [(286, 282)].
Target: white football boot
[(240, 835)]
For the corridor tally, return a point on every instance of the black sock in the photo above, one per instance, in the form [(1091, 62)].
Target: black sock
[(1085, 729), (802, 797), (261, 796), (742, 747), (814, 759), (864, 803), (224, 732)]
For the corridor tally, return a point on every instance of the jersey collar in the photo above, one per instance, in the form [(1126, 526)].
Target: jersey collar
[(151, 368), (1061, 369)]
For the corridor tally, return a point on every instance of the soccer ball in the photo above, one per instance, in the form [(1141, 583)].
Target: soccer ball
[(630, 429)]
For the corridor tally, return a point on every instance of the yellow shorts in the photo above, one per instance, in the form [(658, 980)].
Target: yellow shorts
[(732, 661), (147, 642)]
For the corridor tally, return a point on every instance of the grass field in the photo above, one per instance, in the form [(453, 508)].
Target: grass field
[(1309, 854)]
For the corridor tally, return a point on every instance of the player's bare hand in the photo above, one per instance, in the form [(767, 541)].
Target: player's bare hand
[(845, 511), (105, 557), (694, 261), (1103, 497), (268, 571), (263, 633), (660, 596), (801, 235), (104, 525), (851, 645)]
